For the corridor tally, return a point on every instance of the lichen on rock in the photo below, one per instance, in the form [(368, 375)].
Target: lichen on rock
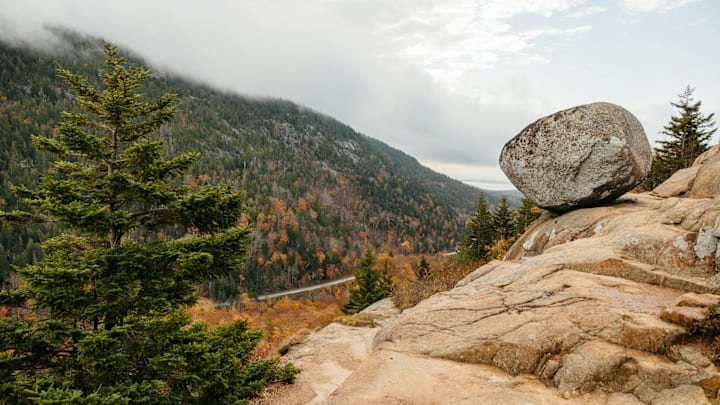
[(579, 157)]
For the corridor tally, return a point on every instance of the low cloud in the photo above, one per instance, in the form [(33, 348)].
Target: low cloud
[(445, 81), (451, 38), (483, 176), (345, 59), (661, 6), (586, 11)]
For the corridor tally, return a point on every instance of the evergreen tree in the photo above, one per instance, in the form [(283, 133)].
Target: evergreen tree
[(480, 233), (106, 322), (689, 133), (422, 269), (502, 220), (525, 215), (371, 284), (386, 286)]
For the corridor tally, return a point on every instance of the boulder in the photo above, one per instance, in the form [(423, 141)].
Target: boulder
[(678, 184), (707, 181), (697, 181), (579, 157)]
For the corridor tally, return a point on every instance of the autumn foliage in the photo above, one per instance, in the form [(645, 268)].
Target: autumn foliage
[(279, 319), (283, 318), (443, 275)]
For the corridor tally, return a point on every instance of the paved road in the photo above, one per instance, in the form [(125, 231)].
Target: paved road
[(305, 289), (315, 287)]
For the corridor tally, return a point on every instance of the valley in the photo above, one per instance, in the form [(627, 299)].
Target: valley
[(317, 192)]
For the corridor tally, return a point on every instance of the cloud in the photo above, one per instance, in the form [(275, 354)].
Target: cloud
[(449, 39), (587, 11), (384, 68), (445, 81), (661, 6), (483, 176)]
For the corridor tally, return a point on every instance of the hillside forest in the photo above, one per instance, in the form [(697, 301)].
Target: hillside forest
[(317, 192)]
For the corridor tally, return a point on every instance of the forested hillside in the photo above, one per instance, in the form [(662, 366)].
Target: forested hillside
[(317, 191)]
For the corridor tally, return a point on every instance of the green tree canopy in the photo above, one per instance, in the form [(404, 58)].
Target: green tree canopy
[(480, 233), (371, 284), (503, 220), (104, 310), (689, 134), (525, 215)]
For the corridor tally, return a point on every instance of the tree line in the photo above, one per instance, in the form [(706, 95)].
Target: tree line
[(491, 232)]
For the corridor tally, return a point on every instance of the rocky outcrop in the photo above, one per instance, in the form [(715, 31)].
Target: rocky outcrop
[(701, 180), (341, 365), (589, 307), (579, 157)]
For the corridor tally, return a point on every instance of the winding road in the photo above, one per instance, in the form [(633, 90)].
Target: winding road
[(315, 287), (306, 289)]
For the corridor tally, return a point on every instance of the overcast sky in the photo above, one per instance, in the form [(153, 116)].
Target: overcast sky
[(447, 81)]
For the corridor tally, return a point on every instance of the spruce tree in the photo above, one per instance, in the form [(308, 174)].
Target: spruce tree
[(422, 269), (386, 286), (502, 220), (689, 133), (104, 318), (371, 284), (525, 215), (480, 234)]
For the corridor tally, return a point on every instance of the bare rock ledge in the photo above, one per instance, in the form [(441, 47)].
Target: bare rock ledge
[(589, 307)]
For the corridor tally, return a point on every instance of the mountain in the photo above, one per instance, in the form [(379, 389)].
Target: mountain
[(318, 192)]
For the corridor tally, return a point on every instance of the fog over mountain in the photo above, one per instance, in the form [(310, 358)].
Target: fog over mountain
[(448, 82)]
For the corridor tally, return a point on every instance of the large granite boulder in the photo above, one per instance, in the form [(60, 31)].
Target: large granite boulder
[(579, 157)]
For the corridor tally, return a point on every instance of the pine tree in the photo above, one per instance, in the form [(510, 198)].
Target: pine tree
[(371, 284), (502, 220), (690, 133), (422, 269), (386, 286), (480, 233), (106, 319), (525, 215)]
